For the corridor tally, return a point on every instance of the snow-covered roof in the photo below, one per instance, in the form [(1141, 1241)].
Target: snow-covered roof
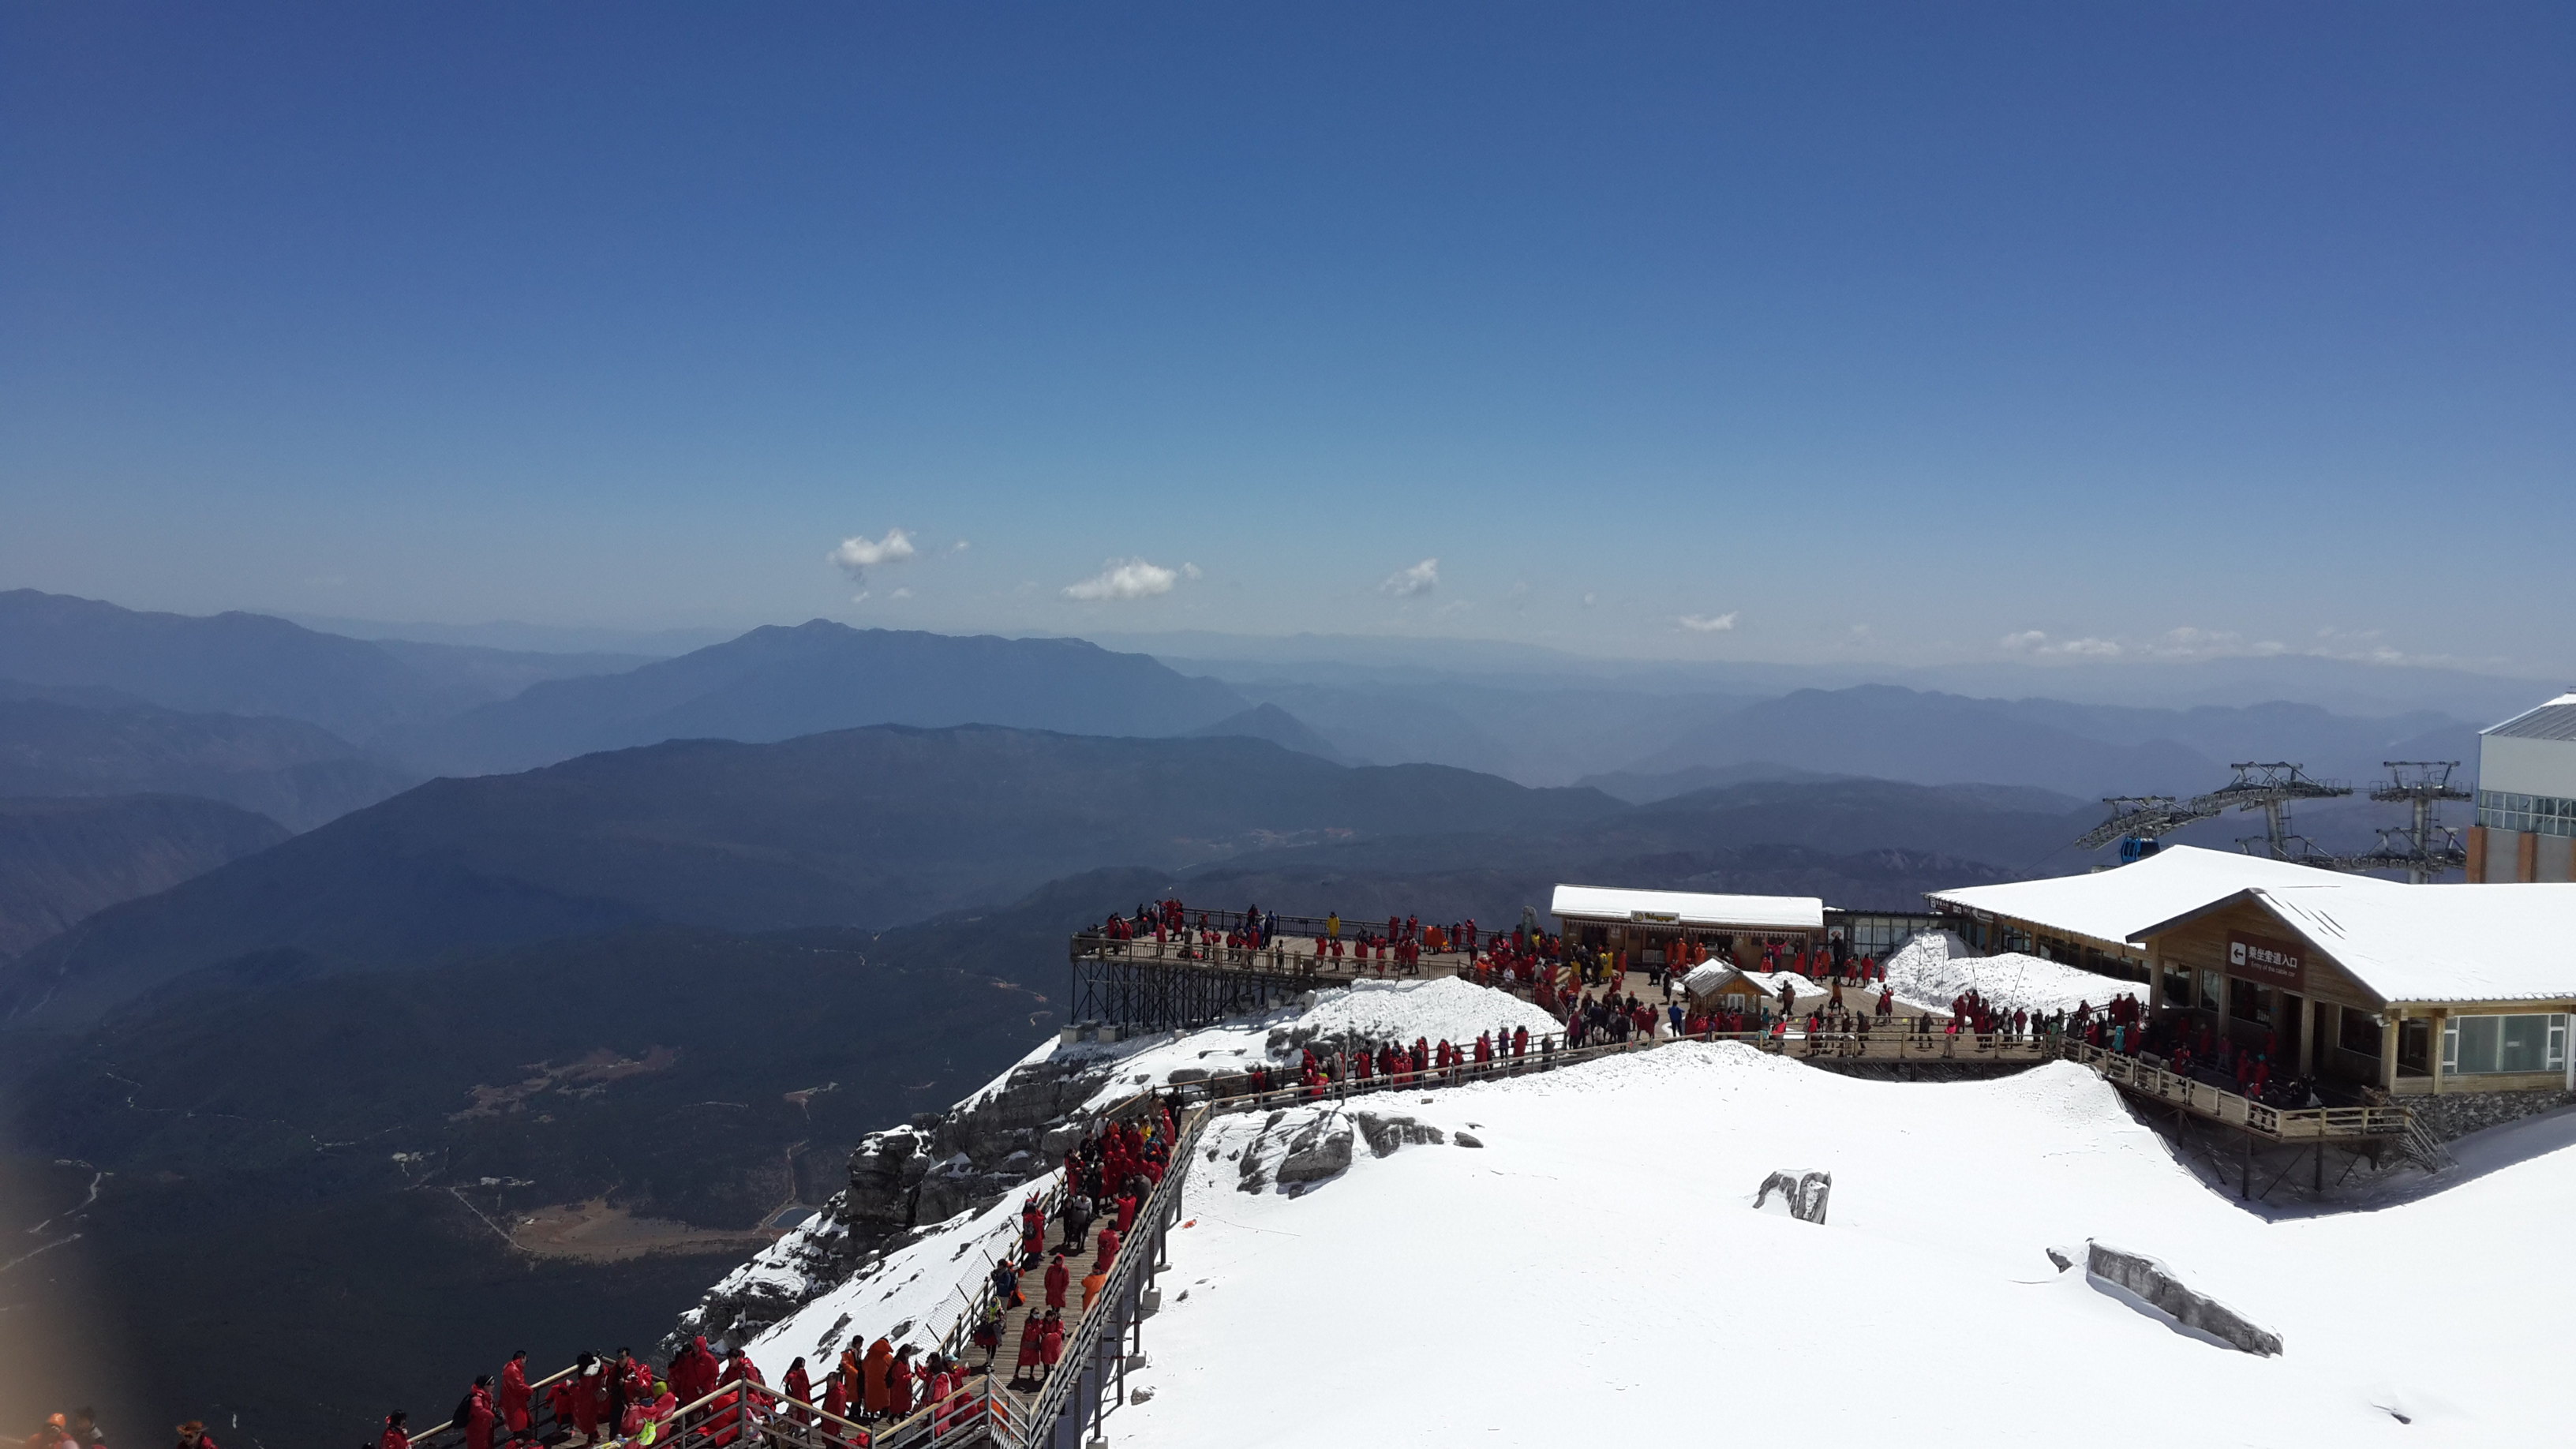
[(1712, 976), (2116, 904), (2555, 720), (2435, 943), (1689, 908)]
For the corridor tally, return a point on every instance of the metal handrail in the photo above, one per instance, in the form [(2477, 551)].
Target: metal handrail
[(1087, 1330)]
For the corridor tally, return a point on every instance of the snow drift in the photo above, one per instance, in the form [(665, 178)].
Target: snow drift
[(1934, 968)]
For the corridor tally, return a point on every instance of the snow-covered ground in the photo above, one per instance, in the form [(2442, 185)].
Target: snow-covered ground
[(1934, 968), (1595, 1270), (1437, 1008), (915, 1294)]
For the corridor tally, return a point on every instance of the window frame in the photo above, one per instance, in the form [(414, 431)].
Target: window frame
[(2553, 1039)]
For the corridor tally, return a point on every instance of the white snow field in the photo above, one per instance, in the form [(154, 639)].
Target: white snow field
[(1934, 968), (1594, 1272)]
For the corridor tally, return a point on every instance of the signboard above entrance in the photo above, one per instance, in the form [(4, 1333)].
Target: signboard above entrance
[(2274, 963)]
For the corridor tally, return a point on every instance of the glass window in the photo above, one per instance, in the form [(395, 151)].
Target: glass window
[(2544, 814), (2249, 1001), (2484, 1045), (2209, 989), (2177, 988), (2356, 1032)]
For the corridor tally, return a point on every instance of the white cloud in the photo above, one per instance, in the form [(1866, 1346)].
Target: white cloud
[(857, 555), (960, 546), (1127, 579), (1190, 571), (2033, 641), (1591, 599), (1709, 623), (900, 594), (1412, 582)]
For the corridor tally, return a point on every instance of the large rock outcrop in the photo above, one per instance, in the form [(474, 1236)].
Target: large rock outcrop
[(2156, 1283)]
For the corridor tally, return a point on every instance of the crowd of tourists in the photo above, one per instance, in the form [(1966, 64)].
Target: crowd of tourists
[(624, 1402)]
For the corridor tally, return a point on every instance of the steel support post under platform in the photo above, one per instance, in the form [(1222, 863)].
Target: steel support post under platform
[(1150, 994)]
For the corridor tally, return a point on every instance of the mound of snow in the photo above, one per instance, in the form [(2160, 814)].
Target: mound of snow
[(1935, 968), (1443, 1008)]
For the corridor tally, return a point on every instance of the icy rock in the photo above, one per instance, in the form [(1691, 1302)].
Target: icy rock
[(1141, 1394), (2156, 1283), (1386, 1134), (1803, 1194), (1187, 1074), (1468, 1139), (1059, 1140), (1328, 1156)]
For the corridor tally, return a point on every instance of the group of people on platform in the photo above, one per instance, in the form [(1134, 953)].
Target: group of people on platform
[(1398, 948)]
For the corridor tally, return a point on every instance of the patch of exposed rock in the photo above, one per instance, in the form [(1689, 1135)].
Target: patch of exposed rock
[(1386, 1134)]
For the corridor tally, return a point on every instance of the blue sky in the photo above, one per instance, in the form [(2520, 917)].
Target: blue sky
[(1899, 333)]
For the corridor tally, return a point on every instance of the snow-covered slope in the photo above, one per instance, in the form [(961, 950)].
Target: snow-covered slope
[(1934, 968), (924, 1200), (1594, 1269)]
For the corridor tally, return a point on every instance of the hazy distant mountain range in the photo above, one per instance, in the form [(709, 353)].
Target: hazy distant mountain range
[(62, 859), (775, 683), (809, 856), (93, 741)]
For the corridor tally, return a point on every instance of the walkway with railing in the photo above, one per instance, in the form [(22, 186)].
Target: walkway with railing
[(1051, 1411)]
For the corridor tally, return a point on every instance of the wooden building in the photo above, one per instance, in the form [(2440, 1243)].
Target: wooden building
[(2089, 921), (2414, 989), (1648, 925)]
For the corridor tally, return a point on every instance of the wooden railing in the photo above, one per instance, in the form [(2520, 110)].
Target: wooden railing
[(2281, 1124)]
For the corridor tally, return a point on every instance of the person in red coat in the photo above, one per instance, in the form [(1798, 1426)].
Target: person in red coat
[(394, 1437), (1032, 1347), (694, 1372), (1054, 1340), (1108, 1250), (559, 1399), (899, 1382), (582, 1389), (799, 1388), (476, 1415), (1126, 1212), (1058, 1279), (515, 1394)]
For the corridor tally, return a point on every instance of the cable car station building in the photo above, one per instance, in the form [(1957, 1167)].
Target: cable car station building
[(2526, 826), (2416, 990), (1651, 925)]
